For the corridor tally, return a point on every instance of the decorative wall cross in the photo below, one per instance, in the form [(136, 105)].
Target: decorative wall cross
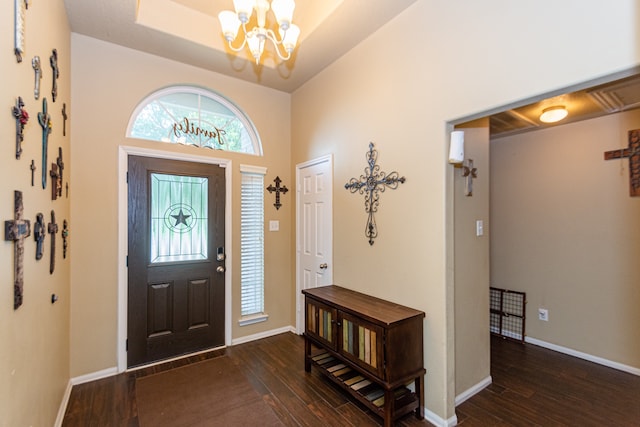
[(65, 235), (22, 117), (45, 122), (278, 189), (469, 172), (55, 179), (35, 64), (33, 170), (56, 171), (53, 60), (52, 228), (371, 184), (39, 233), (60, 164), (16, 231), (64, 119), (633, 154)]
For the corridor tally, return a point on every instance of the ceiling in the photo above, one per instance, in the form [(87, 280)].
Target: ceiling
[(596, 101), (188, 31)]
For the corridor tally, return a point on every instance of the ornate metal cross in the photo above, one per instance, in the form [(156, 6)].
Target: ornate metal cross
[(16, 231), (64, 119), (39, 233), (60, 164), (35, 64), (45, 122), (65, 235), (22, 117), (52, 228), (373, 182), (278, 189), (53, 60), (469, 172), (633, 154)]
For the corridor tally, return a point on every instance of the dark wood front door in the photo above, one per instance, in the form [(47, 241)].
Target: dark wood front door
[(176, 294)]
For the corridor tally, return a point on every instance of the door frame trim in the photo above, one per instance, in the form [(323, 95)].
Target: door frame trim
[(323, 159), (124, 152)]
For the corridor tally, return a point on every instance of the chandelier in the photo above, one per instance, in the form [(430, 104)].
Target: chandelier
[(257, 36)]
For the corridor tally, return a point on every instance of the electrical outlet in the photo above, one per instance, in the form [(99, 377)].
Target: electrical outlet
[(543, 314)]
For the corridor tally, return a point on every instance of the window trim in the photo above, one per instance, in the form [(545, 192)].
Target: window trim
[(257, 317), (202, 92)]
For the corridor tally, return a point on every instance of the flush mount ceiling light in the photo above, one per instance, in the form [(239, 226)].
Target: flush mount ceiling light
[(257, 36), (553, 114)]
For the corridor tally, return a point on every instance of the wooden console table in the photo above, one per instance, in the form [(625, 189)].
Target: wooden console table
[(372, 348)]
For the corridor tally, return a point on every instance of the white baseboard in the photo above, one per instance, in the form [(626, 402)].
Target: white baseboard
[(109, 372), (63, 405), (585, 356), (261, 335), (473, 390), (438, 421)]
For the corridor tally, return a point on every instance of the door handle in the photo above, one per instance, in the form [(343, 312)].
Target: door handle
[(220, 269), (323, 266)]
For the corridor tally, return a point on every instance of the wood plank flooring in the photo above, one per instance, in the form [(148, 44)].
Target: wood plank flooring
[(531, 386)]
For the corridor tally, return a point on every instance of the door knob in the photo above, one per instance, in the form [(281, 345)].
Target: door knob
[(220, 269), (323, 266)]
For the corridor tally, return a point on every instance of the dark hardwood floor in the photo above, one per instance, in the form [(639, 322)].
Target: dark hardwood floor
[(531, 386)]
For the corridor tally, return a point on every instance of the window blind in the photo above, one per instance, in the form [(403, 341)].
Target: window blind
[(252, 243)]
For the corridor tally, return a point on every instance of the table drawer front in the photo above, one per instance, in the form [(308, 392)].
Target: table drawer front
[(362, 343), (320, 322)]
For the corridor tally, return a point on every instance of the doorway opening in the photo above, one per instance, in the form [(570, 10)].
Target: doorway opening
[(506, 124)]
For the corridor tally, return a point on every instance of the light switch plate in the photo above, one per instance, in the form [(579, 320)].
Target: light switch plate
[(274, 225)]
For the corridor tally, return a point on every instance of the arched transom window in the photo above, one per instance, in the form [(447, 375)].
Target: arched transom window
[(194, 116)]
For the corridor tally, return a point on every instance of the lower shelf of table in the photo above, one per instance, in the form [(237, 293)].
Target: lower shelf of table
[(368, 392)]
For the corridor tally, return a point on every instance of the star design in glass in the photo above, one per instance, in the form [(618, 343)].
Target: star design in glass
[(181, 218)]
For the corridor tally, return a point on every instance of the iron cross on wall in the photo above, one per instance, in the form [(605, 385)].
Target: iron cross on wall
[(373, 182), (278, 189), (633, 154)]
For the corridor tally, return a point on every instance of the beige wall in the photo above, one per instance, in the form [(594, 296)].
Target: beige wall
[(471, 275), (566, 232), (438, 61), (34, 349), (108, 82)]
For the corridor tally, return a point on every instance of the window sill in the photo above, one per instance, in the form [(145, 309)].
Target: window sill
[(254, 318)]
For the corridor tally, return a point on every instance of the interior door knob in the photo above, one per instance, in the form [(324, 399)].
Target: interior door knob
[(323, 266), (220, 269)]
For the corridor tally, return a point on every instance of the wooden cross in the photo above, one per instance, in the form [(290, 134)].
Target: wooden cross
[(469, 172), (278, 189), (53, 60), (52, 228), (371, 184), (45, 123), (55, 181), (633, 154), (16, 231)]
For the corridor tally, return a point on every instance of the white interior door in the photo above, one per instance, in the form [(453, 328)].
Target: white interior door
[(314, 229)]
